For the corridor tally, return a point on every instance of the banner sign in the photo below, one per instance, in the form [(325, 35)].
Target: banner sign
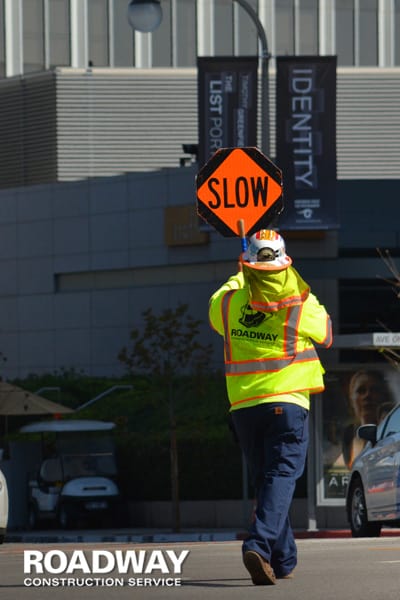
[(227, 103), (306, 141)]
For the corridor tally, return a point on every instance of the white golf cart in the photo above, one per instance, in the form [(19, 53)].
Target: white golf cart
[(3, 507), (75, 480)]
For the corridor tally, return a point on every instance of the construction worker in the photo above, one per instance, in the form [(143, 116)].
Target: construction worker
[(268, 317)]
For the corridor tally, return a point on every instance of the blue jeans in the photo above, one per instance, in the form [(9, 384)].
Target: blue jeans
[(274, 440)]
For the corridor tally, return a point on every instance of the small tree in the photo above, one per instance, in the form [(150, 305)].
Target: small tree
[(166, 350)]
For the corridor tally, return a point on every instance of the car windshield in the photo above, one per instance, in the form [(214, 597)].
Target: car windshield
[(389, 425), (92, 455)]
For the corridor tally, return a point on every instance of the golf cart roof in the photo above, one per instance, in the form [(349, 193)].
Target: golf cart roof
[(61, 425)]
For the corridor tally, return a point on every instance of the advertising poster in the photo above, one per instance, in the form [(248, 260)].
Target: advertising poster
[(352, 397), (306, 140)]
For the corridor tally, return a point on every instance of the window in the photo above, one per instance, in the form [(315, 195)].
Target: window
[(285, 27), (185, 33), (307, 42), (397, 32), (392, 424), (368, 33), (33, 35), (367, 305), (357, 32), (345, 32), (223, 28), (161, 38), (246, 37), (123, 36), (296, 27), (98, 32), (174, 42), (59, 33)]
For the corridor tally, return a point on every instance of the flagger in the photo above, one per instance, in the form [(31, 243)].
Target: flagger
[(270, 374)]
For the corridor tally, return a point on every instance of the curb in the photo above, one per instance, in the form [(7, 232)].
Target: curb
[(150, 538), (79, 537)]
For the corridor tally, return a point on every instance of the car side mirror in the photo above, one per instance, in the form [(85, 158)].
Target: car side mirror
[(368, 433)]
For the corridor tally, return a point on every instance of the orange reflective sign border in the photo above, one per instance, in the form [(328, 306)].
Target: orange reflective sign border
[(239, 183)]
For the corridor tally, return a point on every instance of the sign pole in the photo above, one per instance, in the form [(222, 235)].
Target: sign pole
[(243, 240), (242, 233)]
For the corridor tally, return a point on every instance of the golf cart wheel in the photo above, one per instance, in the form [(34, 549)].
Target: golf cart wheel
[(359, 524), (64, 517)]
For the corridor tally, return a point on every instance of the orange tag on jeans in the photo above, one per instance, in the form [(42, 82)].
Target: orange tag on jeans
[(278, 410)]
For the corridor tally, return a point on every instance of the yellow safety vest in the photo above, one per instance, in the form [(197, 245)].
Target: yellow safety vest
[(270, 352)]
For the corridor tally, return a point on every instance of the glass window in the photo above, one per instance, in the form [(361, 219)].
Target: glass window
[(33, 35), (368, 33), (59, 33), (392, 424), (359, 315), (345, 32), (185, 33), (161, 38), (246, 36), (98, 32), (223, 19), (2, 42), (174, 42), (124, 39), (308, 27), (285, 27), (397, 32)]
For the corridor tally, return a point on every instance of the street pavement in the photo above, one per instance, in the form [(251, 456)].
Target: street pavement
[(328, 569)]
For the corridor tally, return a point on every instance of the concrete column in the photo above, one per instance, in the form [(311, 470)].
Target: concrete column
[(327, 27), (386, 33), (205, 27), (79, 34), (13, 37)]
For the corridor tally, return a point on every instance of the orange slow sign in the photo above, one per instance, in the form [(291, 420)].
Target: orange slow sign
[(239, 184)]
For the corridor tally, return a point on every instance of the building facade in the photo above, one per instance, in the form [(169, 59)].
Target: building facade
[(36, 35), (97, 218)]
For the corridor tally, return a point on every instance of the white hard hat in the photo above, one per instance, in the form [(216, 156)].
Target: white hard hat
[(266, 251)]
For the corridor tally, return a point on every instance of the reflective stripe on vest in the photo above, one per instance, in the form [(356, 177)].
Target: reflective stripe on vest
[(285, 303), (290, 339), (266, 365), (225, 311)]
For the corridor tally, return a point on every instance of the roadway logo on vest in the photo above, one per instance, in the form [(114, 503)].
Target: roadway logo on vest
[(250, 317)]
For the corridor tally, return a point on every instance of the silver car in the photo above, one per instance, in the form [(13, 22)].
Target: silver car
[(3, 507), (373, 493)]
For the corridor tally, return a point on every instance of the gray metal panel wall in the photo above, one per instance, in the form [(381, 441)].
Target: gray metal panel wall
[(111, 121), (119, 120), (368, 123), (28, 130)]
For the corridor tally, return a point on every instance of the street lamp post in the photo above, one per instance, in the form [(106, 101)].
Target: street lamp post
[(146, 15), (265, 56)]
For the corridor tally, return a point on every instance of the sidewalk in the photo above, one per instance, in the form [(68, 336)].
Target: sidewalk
[(160, 536)]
